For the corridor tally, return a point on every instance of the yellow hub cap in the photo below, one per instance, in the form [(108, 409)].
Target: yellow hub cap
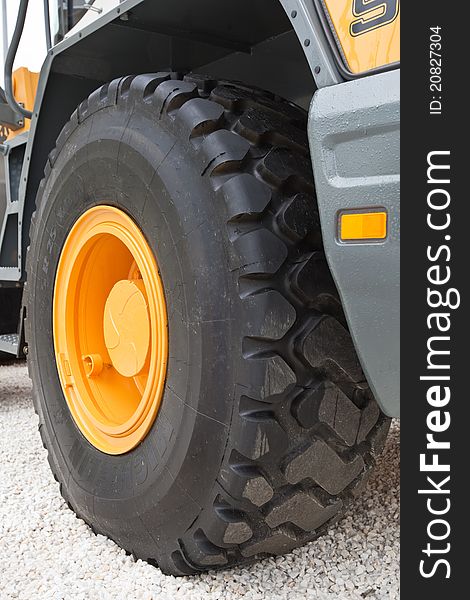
[(127, 327), (110, 330)]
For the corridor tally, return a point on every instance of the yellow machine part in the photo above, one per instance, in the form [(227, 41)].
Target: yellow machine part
[(367, 31), (110, 330), (25, 84)]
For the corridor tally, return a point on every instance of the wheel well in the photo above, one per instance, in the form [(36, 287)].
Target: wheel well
[(244, 40)]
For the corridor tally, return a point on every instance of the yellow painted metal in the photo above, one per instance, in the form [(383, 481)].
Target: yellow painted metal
[(363, 226), (127, 327), (368, 32), (25, 84), (110, 329)]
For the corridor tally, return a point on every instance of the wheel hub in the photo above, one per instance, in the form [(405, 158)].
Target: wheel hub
[(110, 329), (127, 327)]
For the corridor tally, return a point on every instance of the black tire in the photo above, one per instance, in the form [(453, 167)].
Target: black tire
[(268, 428)]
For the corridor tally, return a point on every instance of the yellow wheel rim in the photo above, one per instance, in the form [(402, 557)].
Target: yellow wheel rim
[(110, 330)]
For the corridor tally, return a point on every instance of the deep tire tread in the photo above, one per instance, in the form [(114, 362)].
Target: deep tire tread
[(301, 445)]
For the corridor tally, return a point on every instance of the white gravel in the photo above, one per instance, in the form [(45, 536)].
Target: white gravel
[(47, 553)]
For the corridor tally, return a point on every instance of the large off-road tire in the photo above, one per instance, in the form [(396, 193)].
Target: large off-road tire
[(267, 429)]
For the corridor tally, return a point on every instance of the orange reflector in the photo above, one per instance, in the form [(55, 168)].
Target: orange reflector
[(363, 226)]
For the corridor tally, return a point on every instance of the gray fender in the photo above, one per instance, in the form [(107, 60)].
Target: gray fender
[(354, 133)]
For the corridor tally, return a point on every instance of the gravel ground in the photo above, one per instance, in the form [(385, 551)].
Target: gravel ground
[(47, 553)]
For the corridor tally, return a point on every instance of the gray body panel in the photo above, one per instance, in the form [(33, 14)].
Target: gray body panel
[(354, 132)]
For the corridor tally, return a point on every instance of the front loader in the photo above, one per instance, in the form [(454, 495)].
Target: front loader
[(199, 254)]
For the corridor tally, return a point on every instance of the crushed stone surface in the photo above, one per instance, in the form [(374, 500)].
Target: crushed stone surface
[(47, 553)]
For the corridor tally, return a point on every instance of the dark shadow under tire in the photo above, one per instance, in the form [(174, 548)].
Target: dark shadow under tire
[(6, 359), (268, 428)]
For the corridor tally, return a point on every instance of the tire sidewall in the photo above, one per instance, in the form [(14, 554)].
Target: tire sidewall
[(166, 478)]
